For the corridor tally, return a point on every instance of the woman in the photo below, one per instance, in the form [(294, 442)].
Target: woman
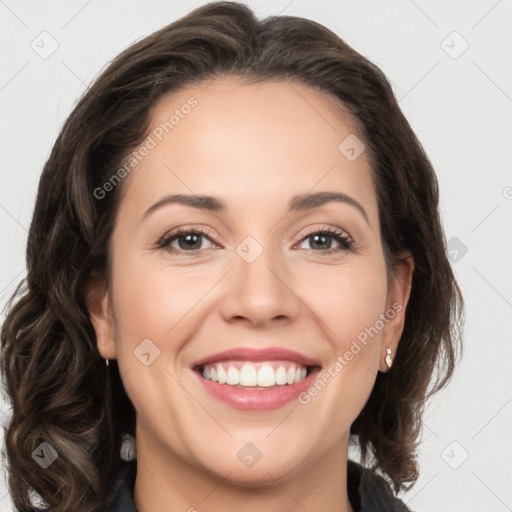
[(235, 258)]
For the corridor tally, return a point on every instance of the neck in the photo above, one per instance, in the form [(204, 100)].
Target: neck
[(166, 482)]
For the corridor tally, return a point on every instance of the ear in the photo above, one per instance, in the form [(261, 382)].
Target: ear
[(96, 298), (399, 290)]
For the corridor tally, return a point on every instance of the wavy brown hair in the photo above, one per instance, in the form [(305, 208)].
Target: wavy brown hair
[(55, 379)]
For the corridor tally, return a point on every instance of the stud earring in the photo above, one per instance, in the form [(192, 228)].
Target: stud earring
[(389, 361)]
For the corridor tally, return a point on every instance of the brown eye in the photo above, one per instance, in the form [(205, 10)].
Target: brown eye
[(321, 240), (184, 240)]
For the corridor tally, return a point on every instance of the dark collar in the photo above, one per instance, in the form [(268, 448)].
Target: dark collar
[(367, 491)]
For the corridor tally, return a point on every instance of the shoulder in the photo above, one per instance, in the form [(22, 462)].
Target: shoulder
[(369, 492), (121, 495)]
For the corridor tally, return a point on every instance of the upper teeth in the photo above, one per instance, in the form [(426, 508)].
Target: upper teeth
[(264, 374)]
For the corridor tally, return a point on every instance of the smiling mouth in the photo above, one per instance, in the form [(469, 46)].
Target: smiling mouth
[(261, 375)]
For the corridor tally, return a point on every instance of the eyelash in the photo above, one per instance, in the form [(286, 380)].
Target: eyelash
[(340, 236)]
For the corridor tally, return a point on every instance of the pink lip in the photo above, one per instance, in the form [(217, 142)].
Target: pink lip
[(252, 354), (258, 400), (253, 399)]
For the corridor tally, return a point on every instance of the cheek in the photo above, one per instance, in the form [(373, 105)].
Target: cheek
[(155, 315), (153, 301), (348, 300)]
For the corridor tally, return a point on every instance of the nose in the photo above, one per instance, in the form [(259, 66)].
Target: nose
[(260, 292)]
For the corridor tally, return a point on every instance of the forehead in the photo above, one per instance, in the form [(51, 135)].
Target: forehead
[(254, 143)]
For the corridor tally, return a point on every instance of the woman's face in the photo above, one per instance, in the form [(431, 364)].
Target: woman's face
[(259, 273)]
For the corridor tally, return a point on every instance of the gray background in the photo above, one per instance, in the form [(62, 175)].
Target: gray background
[(459, 102)]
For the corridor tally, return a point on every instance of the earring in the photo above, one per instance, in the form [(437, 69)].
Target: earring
[(389, 361)]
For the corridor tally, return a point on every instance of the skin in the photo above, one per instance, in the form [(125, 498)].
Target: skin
[(255, 147)]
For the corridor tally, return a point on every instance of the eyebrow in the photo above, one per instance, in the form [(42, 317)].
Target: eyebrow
[(297, 203)]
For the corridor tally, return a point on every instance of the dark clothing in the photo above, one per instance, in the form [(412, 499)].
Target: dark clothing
[(367, 491)]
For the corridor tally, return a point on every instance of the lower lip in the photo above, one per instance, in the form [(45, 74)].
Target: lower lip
[(257, 400)]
